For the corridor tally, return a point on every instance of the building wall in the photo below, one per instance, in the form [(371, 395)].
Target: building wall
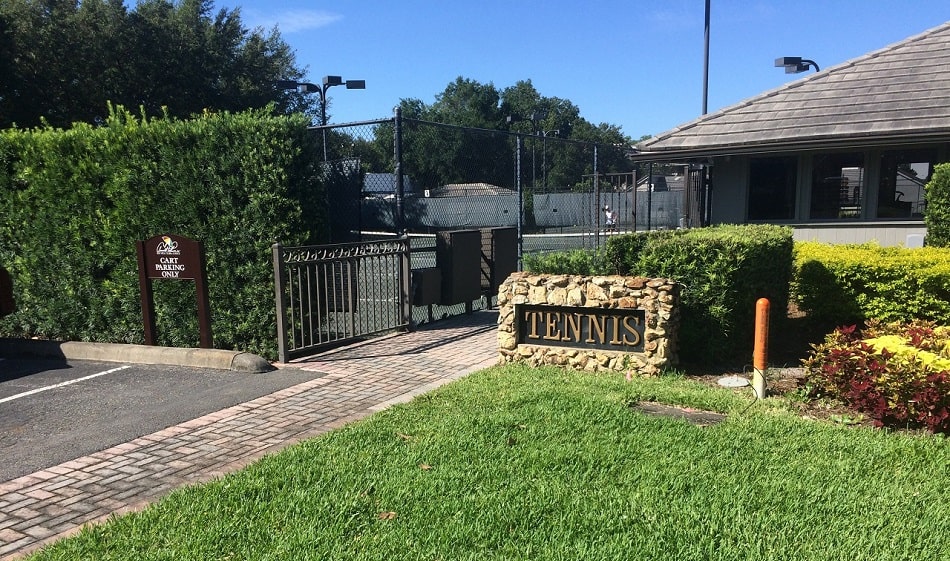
[(730, 202), (886, 234)]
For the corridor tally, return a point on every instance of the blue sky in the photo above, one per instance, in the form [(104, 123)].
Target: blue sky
[(637, 64)]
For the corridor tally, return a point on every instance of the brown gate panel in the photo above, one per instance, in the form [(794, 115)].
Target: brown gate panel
[(459, 255), (499, 257), (331, 295)]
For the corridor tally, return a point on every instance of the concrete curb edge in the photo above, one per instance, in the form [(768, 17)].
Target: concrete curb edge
[(141, 354)]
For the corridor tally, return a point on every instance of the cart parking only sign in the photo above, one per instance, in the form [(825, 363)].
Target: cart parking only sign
[(171, 257)]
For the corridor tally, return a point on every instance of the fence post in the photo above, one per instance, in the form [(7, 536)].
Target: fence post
[(405, 282), (597, 207), (399, 219), (650, 199), (280, 279), (520, 199)]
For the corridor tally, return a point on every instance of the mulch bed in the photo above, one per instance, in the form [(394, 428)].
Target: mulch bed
[(786, 375)]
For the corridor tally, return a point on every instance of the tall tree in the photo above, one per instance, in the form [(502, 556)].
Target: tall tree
[(467, 103), (67, 60), (562, 137), (558, 141), (440, 155)]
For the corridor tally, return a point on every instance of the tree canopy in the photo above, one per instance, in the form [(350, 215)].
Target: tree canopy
[(64, 61), (555, 135), (518, 108)]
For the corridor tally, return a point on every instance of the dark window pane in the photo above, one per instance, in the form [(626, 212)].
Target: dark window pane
[(772, 188), (837, 186), (903, 176)]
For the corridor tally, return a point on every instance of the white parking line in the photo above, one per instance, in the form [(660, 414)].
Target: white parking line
[(66, 383)]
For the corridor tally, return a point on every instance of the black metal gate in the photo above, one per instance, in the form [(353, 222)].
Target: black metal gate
[(696, 197), (331, 295)]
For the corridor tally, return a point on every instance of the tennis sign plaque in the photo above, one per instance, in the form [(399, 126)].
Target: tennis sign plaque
[(597, 328)]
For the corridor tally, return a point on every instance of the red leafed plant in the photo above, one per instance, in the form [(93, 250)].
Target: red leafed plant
[(896, 374)]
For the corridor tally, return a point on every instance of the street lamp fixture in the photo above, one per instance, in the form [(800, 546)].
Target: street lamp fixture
[(328, 82), (536, 117), (795, 64)]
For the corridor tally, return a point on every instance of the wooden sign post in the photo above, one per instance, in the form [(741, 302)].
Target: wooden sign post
[(177, 258)]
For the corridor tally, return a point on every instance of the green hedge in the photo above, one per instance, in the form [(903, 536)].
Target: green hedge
[(570, 262), (937, 215), (73, 203), (851, 283), (724, 270)]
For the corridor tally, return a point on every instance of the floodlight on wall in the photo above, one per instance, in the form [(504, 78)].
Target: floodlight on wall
[(795, 64)]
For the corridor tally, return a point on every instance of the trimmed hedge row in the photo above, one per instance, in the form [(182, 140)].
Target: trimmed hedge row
[(724, 270), (850, 283), (73, 203), (937, 217)]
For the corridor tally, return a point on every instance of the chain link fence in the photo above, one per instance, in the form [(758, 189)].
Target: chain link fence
[(394, 177), (400, 175)]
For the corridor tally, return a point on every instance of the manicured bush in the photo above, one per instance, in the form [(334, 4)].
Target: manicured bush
[(897, 373), (74, 202), (724, 270), (573, 262), (937, 215), (852, 283)]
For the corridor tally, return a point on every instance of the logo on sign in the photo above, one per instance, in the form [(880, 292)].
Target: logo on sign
[(167, 246), (169, 265)]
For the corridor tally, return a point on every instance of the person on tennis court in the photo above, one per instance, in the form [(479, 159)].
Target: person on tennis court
[(610, 219)]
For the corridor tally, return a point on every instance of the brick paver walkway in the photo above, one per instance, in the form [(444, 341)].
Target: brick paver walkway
[(360, 380)]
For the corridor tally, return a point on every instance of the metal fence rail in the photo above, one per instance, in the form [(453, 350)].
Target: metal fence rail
[(335, 294), (405, 175), (386, 179)]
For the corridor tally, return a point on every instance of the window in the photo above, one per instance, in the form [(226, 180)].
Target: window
[(772, 183), (837, 186), (903, 176)]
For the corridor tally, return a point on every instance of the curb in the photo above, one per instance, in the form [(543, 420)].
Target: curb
[(141, 354)]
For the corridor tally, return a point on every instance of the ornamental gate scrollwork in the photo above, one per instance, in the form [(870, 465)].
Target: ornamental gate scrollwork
[(331, 295)]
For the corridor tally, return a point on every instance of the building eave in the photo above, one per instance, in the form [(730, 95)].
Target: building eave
[(688, 154)]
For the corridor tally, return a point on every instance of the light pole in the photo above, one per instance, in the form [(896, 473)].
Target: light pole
[(544, 154), (328, 82), (536, 117)]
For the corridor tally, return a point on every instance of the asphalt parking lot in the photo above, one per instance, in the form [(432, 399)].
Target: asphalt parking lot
[(53, 410)]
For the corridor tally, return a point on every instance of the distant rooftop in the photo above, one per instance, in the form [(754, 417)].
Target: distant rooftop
[(467, 189)]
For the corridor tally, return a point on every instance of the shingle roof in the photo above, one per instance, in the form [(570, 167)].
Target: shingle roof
[(900, 91)]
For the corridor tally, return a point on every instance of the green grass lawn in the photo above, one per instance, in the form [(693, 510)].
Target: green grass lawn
[(520, 463)]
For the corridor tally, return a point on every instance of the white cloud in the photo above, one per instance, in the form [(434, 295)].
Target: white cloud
[(292, 21)]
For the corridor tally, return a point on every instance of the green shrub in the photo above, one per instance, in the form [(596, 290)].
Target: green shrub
[(852, 283), (896, 373), (937, 215), (74, 202), (724, 270), (572, 262)]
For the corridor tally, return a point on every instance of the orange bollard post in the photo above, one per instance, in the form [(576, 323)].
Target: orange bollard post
[(760, 352)]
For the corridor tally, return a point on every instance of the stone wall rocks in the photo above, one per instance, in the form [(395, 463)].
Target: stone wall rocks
[(657, 297)]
